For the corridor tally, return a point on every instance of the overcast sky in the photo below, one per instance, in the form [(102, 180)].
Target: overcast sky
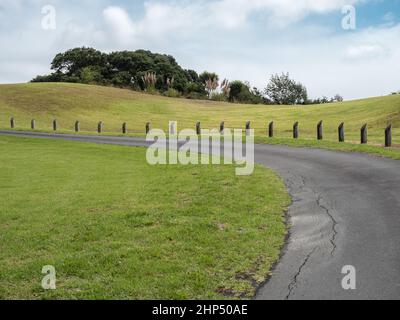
[(239, 39)]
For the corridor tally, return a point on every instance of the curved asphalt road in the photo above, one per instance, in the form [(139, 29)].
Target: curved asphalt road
[(345, 211)]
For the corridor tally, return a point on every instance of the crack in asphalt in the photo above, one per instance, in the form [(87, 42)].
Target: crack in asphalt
[(302, 186), (293, 284), (334, 223)]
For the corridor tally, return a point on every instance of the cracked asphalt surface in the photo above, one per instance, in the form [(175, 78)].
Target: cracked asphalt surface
[(345, 211)]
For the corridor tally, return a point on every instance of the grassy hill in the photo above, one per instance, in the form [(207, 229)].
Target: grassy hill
[(91, 104)]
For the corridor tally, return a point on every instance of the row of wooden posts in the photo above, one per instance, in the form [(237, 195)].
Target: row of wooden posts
[(364, 130)]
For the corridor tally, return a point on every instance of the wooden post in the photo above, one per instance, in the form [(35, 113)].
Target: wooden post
[(172, 129), (12, 123), (341, 132), (320, 130), (124, 128), (55, 125), (222, 127), (271, 130), (296, 130), (33, 124), (148, 127), (364, 134), (388, 136), (77, 126), (248, 128), (100, 127), (198, 128)]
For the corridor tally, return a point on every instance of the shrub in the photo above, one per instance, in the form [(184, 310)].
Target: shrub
[(172, 93), (91, 75), (218, 97)]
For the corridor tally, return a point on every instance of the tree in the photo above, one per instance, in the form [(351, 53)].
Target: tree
[(210, 81), (72, 61), (324, 100), (194, 86), (120, 79), (338, 98), (242, 93), (207, 75), (259, 97), (192, 76), (285, 91), (89, 75), (226, 88)]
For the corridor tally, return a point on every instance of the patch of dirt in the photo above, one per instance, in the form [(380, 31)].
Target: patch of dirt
[(248, 276)]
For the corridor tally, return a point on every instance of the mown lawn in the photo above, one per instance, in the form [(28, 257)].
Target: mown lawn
[(116, 228)]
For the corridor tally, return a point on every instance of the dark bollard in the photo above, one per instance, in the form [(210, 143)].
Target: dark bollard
[(77, 126), (55, 125), (100, 127), (222, 127), (320, 130), (341, 132), (388, 136), (296, 130), (172, 128), (12, 123), (364, 134), (248, 128), (33, 124), (198, 128), (271, 130), (124, 128), (148, 127)]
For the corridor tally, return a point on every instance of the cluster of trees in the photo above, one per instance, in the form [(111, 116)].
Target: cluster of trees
[(157, 73), (140, 70)]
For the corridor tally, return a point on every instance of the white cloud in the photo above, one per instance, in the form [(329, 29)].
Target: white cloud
[(120, 24), (188, 18), (161, 18), (364, 51), (280, 12)]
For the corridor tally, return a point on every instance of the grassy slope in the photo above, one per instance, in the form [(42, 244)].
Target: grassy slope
[(90, 104), (114, 227)]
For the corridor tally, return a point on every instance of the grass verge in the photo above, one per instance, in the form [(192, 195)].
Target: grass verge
[(116, 228), (392, 153)]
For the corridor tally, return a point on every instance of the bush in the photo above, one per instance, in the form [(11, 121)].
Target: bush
[(91, 75), (54, 77), (121, 79), (195, 96), (218, 97), (172, 93)]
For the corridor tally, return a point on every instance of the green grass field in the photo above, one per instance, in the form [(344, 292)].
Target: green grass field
[(116, 228), (91, 104)]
